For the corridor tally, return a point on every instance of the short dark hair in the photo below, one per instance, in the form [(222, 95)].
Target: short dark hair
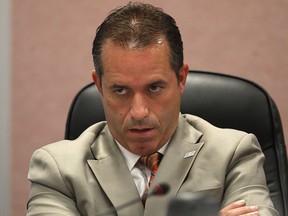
[(140, 25)]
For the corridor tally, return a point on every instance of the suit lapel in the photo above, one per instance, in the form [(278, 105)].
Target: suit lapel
[(175, 165), (113, 174)]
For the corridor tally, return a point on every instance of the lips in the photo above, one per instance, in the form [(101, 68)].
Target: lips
[(141, 133), (135, 130)]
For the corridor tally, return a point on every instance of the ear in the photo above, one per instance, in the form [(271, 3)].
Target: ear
[(182, 76), (97, 81)]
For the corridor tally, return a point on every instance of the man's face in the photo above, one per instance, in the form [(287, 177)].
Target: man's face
[(141, 95)]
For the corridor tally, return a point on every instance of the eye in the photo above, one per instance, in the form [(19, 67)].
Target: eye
[(120, 91), (155, 88)]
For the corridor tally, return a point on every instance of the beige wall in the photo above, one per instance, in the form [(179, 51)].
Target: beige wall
[(51, 60)]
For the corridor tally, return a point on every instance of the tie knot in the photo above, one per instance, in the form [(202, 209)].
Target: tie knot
[(152, 161)]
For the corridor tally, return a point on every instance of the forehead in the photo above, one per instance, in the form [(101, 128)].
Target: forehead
[(114, 55), (135, 64), (133, 45)]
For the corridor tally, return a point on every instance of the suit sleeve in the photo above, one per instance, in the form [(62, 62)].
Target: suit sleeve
[(245, 177), (49, 195)]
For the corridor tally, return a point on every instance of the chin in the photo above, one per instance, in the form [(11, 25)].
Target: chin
[(145, 150)]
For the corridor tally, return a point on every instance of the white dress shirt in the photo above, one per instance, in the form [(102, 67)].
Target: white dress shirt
[(140, 173)]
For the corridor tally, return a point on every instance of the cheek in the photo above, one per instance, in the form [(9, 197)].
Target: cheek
[(170, 103), (113, 112), (169, 111)]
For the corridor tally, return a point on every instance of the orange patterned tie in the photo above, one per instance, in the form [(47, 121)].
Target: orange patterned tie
[(152, 161)]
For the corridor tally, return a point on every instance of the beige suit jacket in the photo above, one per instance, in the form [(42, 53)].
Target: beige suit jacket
[(89, 175)]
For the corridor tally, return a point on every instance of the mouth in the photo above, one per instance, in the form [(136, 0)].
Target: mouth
[(142, 133), (143, 130)]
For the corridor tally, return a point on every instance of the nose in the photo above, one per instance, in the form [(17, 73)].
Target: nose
[(139, 110)]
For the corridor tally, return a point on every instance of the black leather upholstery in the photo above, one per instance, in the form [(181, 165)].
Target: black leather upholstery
[(223, 100)]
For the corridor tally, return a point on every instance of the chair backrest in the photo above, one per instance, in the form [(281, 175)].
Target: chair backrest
[(223, 100)]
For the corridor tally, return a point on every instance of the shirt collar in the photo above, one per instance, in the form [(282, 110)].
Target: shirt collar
[(131, 158)]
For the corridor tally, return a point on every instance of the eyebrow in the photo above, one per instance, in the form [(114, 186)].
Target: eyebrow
[(157, 82), (115, 86)]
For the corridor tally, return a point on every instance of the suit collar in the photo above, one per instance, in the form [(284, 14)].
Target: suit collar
[(175, 165), (110, 164), (113, 174)]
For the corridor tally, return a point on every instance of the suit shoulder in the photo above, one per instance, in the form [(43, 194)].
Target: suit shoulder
[(219, 140), (82, 143), (209, 129)]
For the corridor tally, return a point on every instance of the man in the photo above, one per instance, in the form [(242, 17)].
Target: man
[(139, 71)]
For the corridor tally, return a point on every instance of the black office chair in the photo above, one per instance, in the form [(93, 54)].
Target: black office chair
[(223, 100)]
